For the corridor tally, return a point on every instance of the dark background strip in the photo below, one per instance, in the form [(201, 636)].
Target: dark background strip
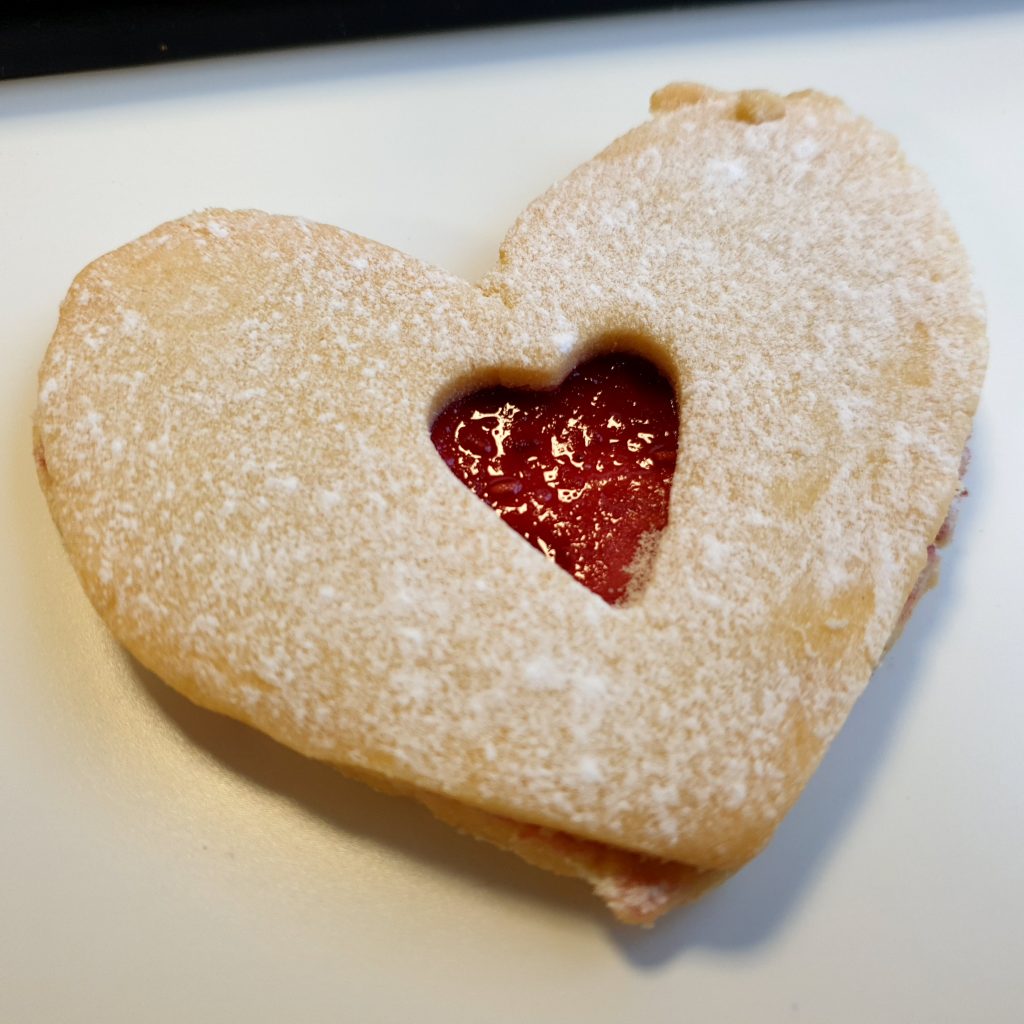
[(50, 38)]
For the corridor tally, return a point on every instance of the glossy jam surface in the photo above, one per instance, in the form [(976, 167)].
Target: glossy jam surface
[(583, 471)]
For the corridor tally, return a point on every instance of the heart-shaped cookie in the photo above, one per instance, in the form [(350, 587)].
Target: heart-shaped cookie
[(234, 438)]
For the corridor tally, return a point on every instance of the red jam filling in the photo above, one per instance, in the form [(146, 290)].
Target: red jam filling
[(582, 471)]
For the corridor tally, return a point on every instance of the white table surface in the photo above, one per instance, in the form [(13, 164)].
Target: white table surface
[(158, 863)]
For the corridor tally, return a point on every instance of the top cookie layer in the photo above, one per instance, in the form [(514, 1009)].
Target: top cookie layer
[(234, 415)]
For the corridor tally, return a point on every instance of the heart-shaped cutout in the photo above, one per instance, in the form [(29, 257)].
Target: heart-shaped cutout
[(583, 471)]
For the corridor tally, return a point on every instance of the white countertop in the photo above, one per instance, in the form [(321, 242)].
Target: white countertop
[(161, 864)]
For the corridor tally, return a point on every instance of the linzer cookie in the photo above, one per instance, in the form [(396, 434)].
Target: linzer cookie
[(592, 558)]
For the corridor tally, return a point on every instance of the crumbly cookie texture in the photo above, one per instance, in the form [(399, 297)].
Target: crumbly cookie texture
[(233, 436)]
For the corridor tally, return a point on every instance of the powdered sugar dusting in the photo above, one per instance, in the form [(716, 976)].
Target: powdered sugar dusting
[(316, 569), (564, 341)]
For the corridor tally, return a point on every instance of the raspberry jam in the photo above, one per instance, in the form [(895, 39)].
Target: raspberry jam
[(582, 471)]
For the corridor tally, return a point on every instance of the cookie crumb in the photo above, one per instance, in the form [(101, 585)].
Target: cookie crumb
[(680, 94), (755, 106)]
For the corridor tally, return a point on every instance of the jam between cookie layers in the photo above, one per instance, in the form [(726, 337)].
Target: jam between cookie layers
[(582, 471)]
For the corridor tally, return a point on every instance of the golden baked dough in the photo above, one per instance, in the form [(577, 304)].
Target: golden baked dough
[(233, 436)]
